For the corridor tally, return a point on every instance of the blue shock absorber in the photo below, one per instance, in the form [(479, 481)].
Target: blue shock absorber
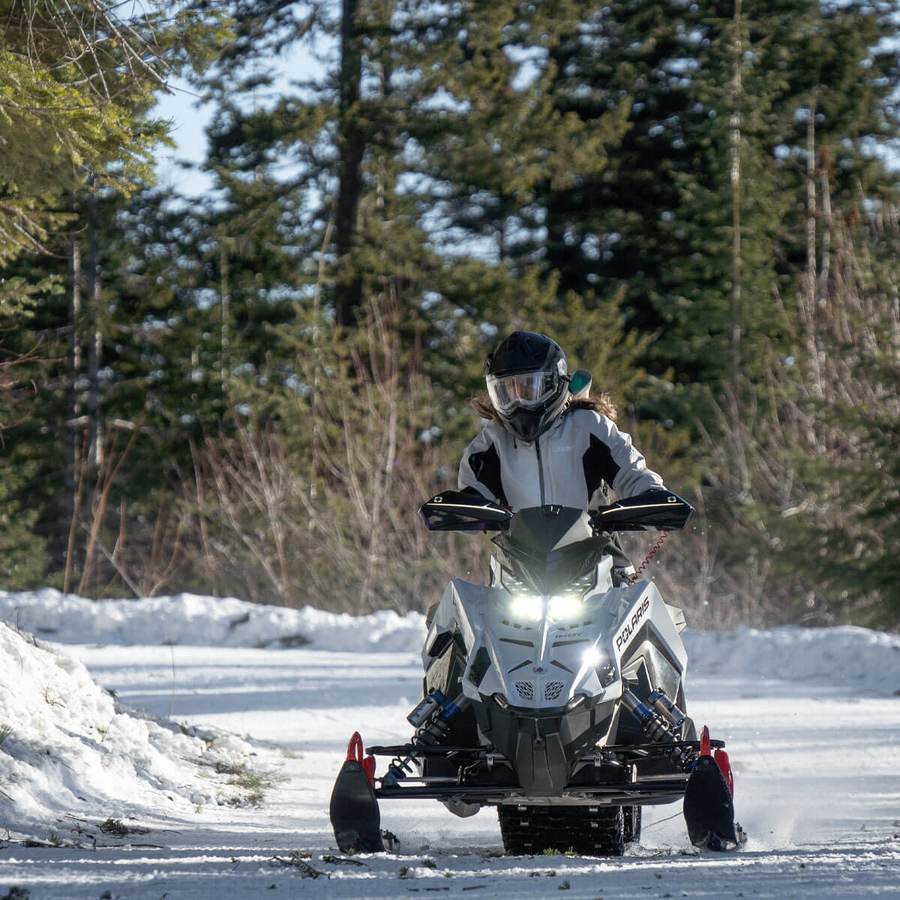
[(652, 723), (435, 702), (430, 719), (449, 708), (660, 701), (655, 727)]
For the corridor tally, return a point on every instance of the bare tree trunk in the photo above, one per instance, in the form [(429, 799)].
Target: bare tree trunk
[(73, 470), (317, 373), (562, 255), (351, 145), (735, 141), (225, 310), (811, 216), (828, 219), (735, 177), (95, 344), (386, 385), (74, 348), (100, 501)]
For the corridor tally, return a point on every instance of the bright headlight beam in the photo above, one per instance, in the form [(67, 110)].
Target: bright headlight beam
[(592, 656), (564, 607), (526, 607)]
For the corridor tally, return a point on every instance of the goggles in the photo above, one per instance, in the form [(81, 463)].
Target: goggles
[(526, 390)]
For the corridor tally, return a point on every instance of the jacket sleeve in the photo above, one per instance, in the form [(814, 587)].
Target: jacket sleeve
[(613, 459), (480, 469)]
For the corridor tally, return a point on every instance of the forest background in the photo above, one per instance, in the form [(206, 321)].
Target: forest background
[(251, 393)]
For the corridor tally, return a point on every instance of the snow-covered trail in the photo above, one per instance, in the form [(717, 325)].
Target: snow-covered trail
[(818, 791)]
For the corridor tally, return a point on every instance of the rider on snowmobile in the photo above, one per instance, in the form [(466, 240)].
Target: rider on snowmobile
[(551, 693), (542, 445)]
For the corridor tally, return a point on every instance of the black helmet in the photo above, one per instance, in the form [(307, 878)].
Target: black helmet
[(527, 380)]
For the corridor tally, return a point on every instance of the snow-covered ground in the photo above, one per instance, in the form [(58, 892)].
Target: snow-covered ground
[(816, 756)]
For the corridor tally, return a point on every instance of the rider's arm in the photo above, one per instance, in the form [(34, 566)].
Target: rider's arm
[(612, 458), (480, 469)]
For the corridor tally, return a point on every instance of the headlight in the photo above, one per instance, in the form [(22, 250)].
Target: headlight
[(595, 658), (560, 607), (565, 607), (526, 607)]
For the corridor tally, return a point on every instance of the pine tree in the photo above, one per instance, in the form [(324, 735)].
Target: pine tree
[(76, 84), (76, 80)]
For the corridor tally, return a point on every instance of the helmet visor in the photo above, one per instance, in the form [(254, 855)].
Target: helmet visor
[(526, 389)]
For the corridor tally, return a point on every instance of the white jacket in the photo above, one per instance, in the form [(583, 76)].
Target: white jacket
[(574, 463)]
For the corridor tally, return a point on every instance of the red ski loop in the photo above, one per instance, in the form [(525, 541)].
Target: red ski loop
[(355, 748), (724, 764), (704, 742), (355, 753)]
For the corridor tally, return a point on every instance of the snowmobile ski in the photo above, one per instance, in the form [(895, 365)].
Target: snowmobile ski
[(708, 801), (355, 816)]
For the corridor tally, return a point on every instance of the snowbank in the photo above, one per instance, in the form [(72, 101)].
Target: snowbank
[(845, 655), (204, 621), (68, 754), (867, 659)]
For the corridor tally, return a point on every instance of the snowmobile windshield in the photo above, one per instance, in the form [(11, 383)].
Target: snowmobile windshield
[(547, 548)]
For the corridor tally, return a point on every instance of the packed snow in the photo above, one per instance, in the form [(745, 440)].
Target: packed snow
[(810, 717)]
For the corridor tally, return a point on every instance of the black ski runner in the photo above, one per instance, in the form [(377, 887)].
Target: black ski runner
[(354, 808), (708, 802)]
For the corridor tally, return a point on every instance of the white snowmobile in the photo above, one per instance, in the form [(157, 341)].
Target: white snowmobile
[(553, 693)]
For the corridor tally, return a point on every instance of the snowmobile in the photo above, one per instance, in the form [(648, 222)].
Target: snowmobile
[(555, 693)]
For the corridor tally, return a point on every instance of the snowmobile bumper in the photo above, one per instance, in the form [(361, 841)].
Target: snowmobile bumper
[(633, 794), (610, 786)]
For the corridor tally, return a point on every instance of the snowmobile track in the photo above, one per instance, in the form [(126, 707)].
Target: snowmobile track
[(584, 830)]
